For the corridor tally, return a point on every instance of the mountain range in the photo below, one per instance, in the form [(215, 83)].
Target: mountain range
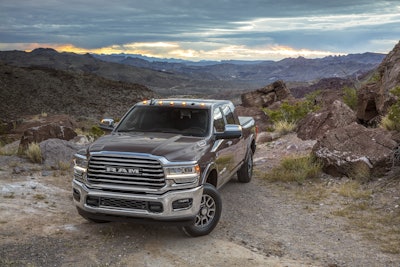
[(177, 77)]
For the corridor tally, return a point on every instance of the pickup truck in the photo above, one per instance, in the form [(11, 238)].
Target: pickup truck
[(164, 162)]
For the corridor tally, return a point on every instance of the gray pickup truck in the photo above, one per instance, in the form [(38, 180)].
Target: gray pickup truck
[(163, 162)]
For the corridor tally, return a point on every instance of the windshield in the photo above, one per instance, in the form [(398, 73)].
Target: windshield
[(185, 121)]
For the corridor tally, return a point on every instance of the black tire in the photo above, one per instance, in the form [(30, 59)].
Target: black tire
[(209, 213), (245, 172)]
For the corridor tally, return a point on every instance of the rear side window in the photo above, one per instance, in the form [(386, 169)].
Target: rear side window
[(230, 119)]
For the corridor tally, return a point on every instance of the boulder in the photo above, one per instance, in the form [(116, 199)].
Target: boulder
[(316, 124), (44, 132), (266, 96), (343, 150), (56, 152)]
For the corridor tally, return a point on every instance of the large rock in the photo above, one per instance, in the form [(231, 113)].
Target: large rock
[(44, 132), (316, 124), (342, 150), (266, 96), (57, 152)]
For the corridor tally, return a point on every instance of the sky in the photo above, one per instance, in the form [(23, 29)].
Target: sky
[(202, 29)]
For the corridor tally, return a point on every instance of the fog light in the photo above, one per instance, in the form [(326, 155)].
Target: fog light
[(77, 195), (181, 204), (155, 207), (93, 201)]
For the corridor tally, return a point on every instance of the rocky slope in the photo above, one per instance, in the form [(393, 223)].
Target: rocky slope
[(36, 90)]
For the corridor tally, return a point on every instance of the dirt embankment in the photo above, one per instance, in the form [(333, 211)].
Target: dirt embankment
[(262, 224)]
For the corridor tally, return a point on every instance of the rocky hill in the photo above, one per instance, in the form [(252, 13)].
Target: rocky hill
[(169, 78), (36, 90), (163, 82)]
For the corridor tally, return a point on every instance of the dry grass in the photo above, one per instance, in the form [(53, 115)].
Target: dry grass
[(284, 127), (365, 213), (354, 190), (295, 169), (64, 165), (360, 171), (34, 153)]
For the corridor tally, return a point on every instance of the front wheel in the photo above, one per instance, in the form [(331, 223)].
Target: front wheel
[(209, 214), (245, 172)]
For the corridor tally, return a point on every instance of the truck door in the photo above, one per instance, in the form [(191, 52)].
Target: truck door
[(238, 145), (224, 149)]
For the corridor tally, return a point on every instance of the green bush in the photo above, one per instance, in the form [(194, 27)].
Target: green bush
[(392, 119), (292, 113), (96, 132), (350, 97)]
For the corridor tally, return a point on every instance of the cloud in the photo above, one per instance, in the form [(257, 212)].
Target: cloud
[(210, 28)]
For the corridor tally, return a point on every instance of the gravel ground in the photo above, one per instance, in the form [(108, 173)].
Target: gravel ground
[(262, 224)]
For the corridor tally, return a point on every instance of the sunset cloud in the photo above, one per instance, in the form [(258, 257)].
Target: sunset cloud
[(202, 30)]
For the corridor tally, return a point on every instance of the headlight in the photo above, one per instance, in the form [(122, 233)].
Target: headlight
[(80, 161), (183, 174), (80, 167)]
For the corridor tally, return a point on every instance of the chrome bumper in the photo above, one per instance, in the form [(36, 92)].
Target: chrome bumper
[(168, 213)]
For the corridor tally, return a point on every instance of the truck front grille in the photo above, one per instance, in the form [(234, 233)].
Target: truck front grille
[(110, 170)]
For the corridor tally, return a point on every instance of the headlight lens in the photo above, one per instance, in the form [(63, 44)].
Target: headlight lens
[(80, 167), (183, 174), (80, 161)]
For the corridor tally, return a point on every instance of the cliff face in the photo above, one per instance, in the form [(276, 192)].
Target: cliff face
[(374, 98), (389, 69)]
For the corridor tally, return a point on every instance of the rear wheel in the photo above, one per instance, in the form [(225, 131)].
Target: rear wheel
[(245, 172), (209, 214)]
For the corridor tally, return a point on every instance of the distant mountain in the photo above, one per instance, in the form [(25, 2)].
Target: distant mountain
[(163, 82), (33, 90), (260, 73), (169, 76)]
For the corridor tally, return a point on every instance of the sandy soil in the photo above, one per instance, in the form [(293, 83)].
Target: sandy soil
[(262, 224)]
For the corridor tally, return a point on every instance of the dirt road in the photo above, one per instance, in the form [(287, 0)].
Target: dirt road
[(262, 224)]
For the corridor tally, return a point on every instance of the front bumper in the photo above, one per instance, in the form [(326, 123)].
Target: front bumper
[(176, 205)]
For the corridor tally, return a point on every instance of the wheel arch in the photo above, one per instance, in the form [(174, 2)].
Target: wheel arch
[(210, 175)]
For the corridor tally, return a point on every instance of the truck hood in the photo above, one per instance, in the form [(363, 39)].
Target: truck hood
[(171, 146)]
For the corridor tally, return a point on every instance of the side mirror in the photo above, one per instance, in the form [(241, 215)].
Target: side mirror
[(107, 124), (231, 131)]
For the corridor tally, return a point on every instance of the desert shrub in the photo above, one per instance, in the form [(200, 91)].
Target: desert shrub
[(376, 77), (96, 132), (350, 97), (284, 127), (391, 121), (353, 189), (360, 171), (292, 113), (64, 165), (295, 169), (34, 153)]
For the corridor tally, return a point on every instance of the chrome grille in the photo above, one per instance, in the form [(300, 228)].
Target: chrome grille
[(108, 170)]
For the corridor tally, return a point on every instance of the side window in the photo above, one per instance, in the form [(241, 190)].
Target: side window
[(230, 119), (219, 123)]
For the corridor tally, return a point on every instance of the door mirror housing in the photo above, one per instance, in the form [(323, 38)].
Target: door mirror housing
[(107, 124), (231, 131)]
